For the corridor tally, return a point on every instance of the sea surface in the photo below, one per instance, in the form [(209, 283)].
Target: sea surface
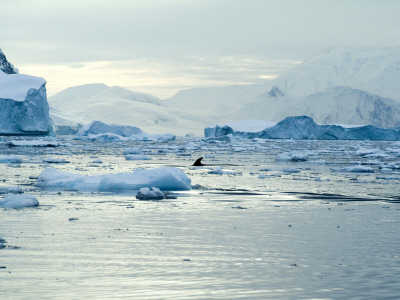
[(282, 219)]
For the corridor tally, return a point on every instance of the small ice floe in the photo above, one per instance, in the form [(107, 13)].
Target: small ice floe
[(10, 190), (388, 177), (239, 207), (367, 152), (3, 243), (220, 171), (319, 162), (166, 178), (134, 150), (290, 170), (33, 143), (136, 157), (10, 159), (355, 169), (152, 193), (18, 201), (97, 161), (293, 156), (55, 160)]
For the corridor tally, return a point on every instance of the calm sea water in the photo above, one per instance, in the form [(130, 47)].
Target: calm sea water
[(272, 229)]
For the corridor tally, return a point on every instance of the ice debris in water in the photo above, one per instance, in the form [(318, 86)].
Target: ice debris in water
[(165, 178), (55, 160), (135, 150), (137, 157), (152, 193), (220, 171), (10, 189), (355, 169), (35, 143), (18, 201), (293, 156), (13, 159)]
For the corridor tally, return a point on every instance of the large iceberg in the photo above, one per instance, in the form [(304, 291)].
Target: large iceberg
[(164, 178), (304, 128), (23, 102)]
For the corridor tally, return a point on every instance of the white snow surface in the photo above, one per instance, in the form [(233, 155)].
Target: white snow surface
[(17, 86), (164, 178), (18, 201)]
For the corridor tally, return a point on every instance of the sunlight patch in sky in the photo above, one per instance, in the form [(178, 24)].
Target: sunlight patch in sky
[(161, 78)]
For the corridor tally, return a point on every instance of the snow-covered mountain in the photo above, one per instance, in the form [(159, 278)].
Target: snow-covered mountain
[(338, 86), (116, 105), (6, 66), (215, 100), (374, 70)]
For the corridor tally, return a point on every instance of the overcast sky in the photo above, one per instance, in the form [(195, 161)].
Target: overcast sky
[(161, 46)]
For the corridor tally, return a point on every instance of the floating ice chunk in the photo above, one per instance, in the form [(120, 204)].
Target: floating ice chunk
[(165, 178), (18, 201), (33, 143), (99, 131), (293, 156), (137, 157), (364, 151), (152, 193), (220, 171), (357, 169), (10, 189), (290, 170), (13, 159), (55, 160), (135, 150)]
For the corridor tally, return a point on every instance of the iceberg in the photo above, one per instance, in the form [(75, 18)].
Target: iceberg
[(18, 201), (164, 178), (23, 103), (99, 131), (152, 193), (304, 128)]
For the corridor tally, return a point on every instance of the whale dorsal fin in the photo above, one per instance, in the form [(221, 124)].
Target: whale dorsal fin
[(198, 162)]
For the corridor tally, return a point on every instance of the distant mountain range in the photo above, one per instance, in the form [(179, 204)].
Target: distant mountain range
[(357, 86)]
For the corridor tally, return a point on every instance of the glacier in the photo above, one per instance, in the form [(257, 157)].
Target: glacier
[(23, 101), (305, 128)]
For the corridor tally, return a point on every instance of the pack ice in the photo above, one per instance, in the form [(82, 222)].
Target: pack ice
[(23, 102)]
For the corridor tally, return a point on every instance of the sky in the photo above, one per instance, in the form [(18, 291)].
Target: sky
[(162, 46)]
